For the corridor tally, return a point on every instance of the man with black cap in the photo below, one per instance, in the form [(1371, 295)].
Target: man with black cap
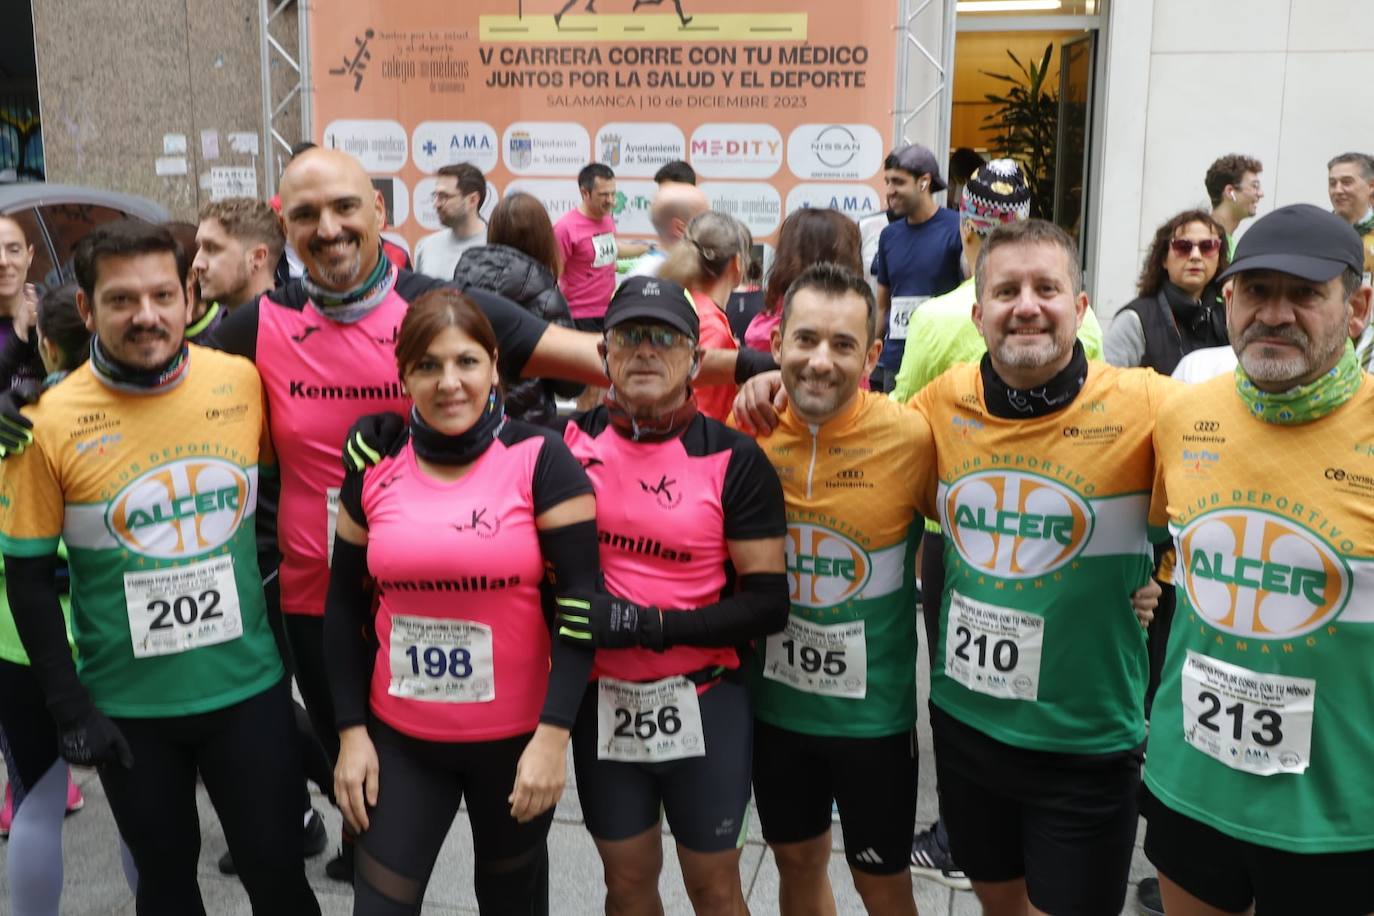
[(691, 523), (918, 255), (1260, 792)]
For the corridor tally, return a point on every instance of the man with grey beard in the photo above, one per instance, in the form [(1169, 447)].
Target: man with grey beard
[(1264, 483)]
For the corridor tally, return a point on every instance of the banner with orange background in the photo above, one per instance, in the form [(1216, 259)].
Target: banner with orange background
[(777, 104)]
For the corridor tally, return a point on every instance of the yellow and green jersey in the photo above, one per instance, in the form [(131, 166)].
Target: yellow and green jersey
[(845, 665), (1261, 726), (154, 495), (1044, 521)]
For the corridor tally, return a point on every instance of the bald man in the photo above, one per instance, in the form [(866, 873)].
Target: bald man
[(672, 209)]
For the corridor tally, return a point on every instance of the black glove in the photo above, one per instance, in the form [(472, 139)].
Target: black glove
[(16, 430), (370, 438), (607, 622), (93, 740)]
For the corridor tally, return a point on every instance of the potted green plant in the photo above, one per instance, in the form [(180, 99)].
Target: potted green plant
[(1027, 122)]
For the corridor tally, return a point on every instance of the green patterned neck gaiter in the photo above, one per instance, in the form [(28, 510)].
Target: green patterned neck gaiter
[(1304, 403)]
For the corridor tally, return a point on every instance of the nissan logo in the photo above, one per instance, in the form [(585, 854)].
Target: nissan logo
[(1206, 426), (835, 146), (1335, 474)]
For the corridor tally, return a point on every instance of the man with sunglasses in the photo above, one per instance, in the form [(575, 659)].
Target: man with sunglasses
[(691, 523)]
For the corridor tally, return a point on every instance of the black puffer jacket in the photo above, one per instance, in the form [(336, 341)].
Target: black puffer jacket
[(511, 273)]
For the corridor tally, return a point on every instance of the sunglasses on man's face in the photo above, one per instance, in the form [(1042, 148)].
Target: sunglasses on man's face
[(660, 338), (1184, 247)]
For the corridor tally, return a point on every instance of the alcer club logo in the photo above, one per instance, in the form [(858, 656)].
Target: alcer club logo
[(1016, 525), (180, 509), (1261, 576), (823, 567)]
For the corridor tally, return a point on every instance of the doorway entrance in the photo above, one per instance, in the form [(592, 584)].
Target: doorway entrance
[(1026, 73)]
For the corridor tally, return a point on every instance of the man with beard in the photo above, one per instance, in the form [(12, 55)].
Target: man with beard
[(1259, 790), (835, 692), (459, 191), (1038, 474), (177, 674)]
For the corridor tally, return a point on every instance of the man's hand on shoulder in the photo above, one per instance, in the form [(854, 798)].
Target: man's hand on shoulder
[(759, 403)]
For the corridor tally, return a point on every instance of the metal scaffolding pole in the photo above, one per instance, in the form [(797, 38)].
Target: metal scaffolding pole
[(279, 131), (925, 74)]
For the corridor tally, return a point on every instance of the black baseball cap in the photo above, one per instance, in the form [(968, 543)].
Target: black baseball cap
[(1301, 240), (652, 299), (919, 160)]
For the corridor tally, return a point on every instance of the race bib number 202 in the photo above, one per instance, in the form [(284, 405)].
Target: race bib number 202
[(185, 607)]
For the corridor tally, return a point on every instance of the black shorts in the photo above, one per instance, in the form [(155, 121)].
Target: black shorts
[(1064, 822), (593, 325), (1230, 874), (871, 780), (705, 798)]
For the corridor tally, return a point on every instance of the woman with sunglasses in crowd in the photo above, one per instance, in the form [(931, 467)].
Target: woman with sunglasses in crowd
[(1179, 308)]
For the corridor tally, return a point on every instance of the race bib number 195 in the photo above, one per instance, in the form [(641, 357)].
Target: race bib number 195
[(649, 722), (185, 607), (1259, 723), (825, 660)]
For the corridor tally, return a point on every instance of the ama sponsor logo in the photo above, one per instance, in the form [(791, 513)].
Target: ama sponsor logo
[(180, 509), (1261, 576), (824, 567), (1015, 525)]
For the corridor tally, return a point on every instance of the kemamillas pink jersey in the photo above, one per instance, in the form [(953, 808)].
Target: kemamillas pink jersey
[(664, 511), (459, 563), (312, 403)]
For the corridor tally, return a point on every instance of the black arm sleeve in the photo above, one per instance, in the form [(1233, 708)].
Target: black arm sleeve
[(19, 354), (237, 333), (572, 552), (517, 331), (351, 497), (31, 584), (751, 362), (759, 607), (348, 650)]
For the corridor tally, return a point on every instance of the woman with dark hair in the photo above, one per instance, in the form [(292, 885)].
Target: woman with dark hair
[(462, 694), (808, 237), (520, 262), (1179, 309)]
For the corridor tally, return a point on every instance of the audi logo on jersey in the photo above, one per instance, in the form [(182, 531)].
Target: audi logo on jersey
[(180, 509), (1261, 576), (1016, 525)]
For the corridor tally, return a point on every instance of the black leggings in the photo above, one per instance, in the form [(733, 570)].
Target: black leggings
[(30, 736), (248, 758), (420, 784), (306, 637)]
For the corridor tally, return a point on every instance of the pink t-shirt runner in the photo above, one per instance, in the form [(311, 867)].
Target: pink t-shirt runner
[(463, 645), (589, 251)]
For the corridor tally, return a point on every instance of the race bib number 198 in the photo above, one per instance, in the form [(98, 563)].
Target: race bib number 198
[(1259, 723), (185, 607), (441, 660), (649, 722), (993, 650)]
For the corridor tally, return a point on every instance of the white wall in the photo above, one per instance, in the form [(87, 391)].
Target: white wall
[(1286, 81)]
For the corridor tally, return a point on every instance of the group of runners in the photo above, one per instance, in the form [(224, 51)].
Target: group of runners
[(699, 612)]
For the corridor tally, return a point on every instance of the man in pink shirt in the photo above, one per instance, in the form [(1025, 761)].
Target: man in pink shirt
[(586, 241)]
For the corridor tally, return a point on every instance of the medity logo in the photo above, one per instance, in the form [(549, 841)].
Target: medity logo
[(180, 509), (1258, 575), (1016, 525)]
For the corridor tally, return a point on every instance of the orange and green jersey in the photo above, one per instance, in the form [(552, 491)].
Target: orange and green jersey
[(1261, 726), (154, 495), (1045, 540), (846, 663)]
